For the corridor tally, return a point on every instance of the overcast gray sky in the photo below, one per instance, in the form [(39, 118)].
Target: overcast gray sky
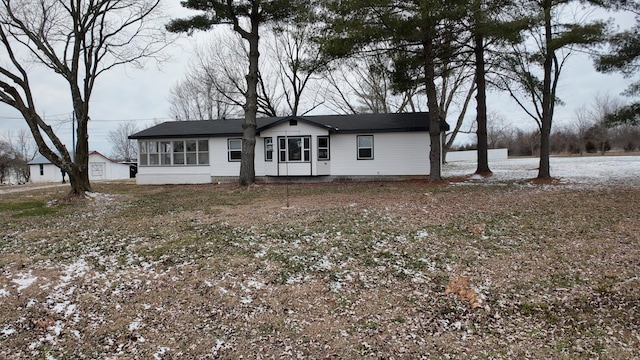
[(126, 94)]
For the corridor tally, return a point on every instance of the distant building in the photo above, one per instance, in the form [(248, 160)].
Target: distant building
[(100, 168)]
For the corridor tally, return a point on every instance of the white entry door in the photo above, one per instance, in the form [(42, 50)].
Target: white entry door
[(294, 156)]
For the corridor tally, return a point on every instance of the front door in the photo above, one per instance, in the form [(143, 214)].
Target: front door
[(294, 155)]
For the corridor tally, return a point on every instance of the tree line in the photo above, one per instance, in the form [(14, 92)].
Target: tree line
[(291, 56), (589, 130), (422, 47)]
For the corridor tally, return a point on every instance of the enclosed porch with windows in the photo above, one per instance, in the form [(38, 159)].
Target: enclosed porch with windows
[(180, 161), (295, 148)]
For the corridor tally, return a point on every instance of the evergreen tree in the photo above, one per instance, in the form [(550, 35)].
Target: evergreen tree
[(551, 36), (625, 58), (255, 13), (488, 25), (418, 36)]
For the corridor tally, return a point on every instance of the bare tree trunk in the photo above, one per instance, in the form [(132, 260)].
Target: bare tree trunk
[(79, 177), (547, 97), (481, 100), (435, 154), (79, 42), (247, 162), (79, 174)]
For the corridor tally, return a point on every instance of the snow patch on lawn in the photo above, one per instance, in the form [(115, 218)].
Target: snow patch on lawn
[(580, 171), (24, 281)]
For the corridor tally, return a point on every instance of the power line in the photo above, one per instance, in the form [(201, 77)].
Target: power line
[(22, 118), (164, 118)]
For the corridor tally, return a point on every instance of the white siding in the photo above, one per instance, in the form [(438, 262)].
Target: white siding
[(51, 173), (273, 168), (394, 154), (219, 158), (100, 168), (157, 175), (110, 170), (400, 154)]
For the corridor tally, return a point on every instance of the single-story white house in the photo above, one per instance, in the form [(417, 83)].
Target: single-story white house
[(317, 148), (100, 168)]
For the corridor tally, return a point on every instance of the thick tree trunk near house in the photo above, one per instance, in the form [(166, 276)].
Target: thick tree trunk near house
[(435, 154), (79, 181), (77, 166), (247, 167), (79, 177), (247, 161)]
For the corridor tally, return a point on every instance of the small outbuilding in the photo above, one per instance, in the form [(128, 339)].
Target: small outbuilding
[(315, 148), (100, 168)]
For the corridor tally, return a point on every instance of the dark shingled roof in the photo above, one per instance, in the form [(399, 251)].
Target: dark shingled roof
[(345, 124)]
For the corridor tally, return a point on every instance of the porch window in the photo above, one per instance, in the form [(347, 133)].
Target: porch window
[(294, 149), (154, 152), (323, 148), (365, 147), (203, 152), (235, 149), (268, 149), (173, 153), (165, 153), (178, 152), (191, 152)]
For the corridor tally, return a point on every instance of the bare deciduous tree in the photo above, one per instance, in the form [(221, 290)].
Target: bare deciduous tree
[(598, 132), (295, 62), (79, 41), (364, 85), (123, 148), (500, 132), (16, 150), (214, 85)]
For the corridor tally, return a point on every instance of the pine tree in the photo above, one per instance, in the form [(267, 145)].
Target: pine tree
[(418, 36), (235, 13)]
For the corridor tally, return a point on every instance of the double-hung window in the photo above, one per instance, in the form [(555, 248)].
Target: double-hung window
[(323, 148), (294, 149), (268, 149), (365, 147), (203, 152), (234, 147)]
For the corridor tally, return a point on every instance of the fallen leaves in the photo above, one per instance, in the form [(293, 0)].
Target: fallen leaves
[(352, 270), (459, 285)]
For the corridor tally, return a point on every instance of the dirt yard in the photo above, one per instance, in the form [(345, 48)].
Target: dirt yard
[(459, 270)]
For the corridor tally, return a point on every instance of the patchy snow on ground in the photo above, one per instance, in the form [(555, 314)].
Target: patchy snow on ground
[(585, 170), (24, 281), (133, 291)]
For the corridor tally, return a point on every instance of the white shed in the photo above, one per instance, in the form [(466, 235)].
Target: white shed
[(100, 168)]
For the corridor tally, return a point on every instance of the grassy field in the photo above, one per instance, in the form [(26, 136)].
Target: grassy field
[(356, 270)]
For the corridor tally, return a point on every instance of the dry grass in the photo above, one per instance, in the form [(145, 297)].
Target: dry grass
[(348, 271)]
